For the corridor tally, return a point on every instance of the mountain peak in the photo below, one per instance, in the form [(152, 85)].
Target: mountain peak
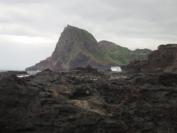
[(78, 48), (72, 32), (72, 41), (70, 27)]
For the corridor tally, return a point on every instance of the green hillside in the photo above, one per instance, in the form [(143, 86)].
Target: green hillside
[(122, 55)]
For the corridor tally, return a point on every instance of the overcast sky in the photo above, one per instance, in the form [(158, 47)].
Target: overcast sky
[(29, 29)]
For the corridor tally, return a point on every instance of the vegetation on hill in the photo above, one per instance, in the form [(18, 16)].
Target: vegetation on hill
[(122, 55)]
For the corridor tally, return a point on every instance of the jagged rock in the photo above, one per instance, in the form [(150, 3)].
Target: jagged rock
[(83, 102), (164, 59)]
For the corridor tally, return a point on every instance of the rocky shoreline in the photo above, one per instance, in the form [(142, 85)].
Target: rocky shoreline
[(85, 101)]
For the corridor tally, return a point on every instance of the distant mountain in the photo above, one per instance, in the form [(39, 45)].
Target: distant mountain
[(78, 48)]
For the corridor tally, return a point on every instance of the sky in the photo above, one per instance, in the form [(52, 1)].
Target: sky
[(30, 29)]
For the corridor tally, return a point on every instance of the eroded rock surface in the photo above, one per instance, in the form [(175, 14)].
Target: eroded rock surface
[(164, 59), (87, 101)]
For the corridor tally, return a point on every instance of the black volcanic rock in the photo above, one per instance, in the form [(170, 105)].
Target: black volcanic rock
[(78, 48), (85, 101)]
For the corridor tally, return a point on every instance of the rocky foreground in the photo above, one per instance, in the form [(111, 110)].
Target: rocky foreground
[(85, 101)]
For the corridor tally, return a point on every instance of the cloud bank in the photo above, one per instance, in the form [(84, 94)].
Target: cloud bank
[(30, 29)]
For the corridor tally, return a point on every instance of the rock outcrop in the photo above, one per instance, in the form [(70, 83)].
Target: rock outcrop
[(78, 48), (164, 59)]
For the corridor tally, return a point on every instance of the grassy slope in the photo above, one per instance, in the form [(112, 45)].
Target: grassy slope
[(122, 55)]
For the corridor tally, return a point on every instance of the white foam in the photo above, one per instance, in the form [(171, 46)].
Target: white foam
[(23, 76), (116, 69)]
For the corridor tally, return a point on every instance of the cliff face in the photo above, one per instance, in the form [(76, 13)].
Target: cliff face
[(163, 59), (78, 48)]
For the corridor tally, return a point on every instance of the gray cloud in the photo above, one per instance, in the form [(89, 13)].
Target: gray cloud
[(30, 29)]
